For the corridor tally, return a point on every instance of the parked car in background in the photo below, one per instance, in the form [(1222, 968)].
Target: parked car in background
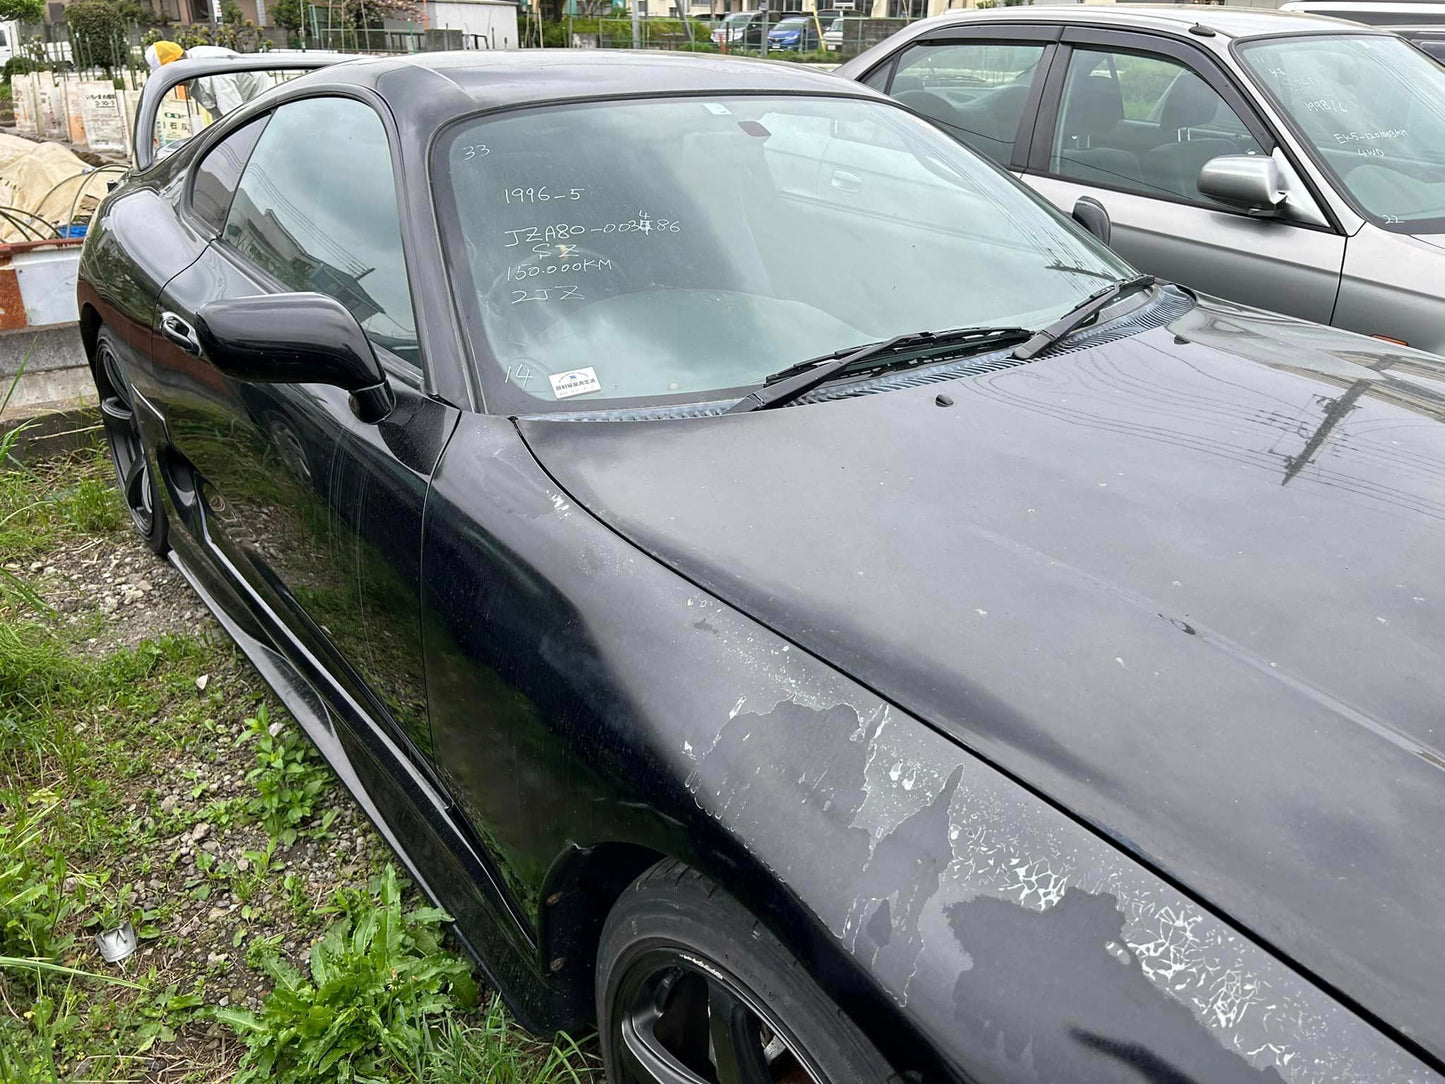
[(792, 596), (833, 36), (1282, 160), (1371, 14), (731, 27), (1430, 39), (796, 33), (1421, 23)]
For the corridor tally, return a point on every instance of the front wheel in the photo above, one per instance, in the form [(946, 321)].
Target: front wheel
[(127, 450), (692, 989)]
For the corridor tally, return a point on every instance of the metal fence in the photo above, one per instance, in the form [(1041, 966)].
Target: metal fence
[(652, 32), (349, 39), (851, 36), (55, 46)]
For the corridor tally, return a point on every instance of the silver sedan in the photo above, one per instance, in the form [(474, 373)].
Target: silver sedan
[(1289, 162)]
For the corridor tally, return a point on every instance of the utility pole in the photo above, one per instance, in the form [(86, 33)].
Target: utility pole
[(636, 26)]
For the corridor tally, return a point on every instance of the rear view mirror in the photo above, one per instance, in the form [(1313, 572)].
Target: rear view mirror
[(295, 339), (1250, 182), (1090, 214)]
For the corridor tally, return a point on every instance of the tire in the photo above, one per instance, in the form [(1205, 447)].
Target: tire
[(133, 462), (692, 989)]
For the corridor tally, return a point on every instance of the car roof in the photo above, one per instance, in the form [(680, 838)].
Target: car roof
[(1226, 22), (494, 79)]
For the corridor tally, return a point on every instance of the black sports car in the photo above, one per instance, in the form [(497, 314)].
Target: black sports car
[(1044, 683)]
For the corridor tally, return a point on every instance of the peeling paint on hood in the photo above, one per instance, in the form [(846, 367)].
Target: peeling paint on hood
[(1025, 942)]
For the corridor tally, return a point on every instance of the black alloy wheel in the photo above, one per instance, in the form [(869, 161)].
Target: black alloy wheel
[(693, 990), (685, 1021), (127, 449)]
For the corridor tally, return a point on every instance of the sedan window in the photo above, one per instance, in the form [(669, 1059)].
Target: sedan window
[(1372, 110), (686, 247), (316, 209), (976, 90), (1142, 123)]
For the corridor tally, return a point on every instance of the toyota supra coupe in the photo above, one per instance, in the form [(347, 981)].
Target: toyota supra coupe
[(800, 602)]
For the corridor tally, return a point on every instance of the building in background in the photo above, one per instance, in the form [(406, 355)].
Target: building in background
[(492, 21)]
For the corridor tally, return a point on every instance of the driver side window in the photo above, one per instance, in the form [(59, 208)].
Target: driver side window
[(1142, 123), (975, 91), (316, 209)]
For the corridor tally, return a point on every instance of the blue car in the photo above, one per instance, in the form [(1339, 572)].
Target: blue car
[(799, 32)]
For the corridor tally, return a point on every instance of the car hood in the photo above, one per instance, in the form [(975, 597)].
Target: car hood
[(1436, 240), (1188, 584)]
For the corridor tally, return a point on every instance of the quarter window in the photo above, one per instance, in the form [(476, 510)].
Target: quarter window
[(220, 170), (316, 209), (1143, 123), (975, 91)]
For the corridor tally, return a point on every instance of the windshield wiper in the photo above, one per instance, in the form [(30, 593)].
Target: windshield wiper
[(1080, 314), (787, 384)]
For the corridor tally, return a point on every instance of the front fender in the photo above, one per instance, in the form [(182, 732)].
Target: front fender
[(584, 694)]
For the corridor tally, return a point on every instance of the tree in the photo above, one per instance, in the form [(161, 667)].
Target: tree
[(290, 14), (29, 11), (97, 33)]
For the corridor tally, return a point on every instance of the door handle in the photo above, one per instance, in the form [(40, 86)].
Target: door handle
[(845, 180), (180, 333)]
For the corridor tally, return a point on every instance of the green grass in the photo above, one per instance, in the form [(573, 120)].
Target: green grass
[(42, 503), (90, 742)]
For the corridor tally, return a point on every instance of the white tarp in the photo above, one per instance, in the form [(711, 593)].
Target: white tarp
[(50, 183)]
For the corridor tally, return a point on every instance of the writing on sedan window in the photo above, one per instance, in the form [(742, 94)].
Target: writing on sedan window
[(548, 293), (564, 258), (548, 258), (540, 194), (559, 231), (1346, 138)]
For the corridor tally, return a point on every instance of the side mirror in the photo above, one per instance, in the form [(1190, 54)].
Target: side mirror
[(1250, 182), (1090, 214), (295, 339)]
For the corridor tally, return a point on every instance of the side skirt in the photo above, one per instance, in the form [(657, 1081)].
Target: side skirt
[(371, 769)]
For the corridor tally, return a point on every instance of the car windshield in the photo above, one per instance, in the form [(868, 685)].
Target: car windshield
[(1372, 109), (734, 20), (684, 248), (791, 24)]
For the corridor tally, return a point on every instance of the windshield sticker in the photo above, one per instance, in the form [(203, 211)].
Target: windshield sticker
[(576, 382), (717, 109)]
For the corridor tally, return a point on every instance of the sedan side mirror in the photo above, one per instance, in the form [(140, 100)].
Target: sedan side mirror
[(1250, 182), (295, 339), (1090, 214)]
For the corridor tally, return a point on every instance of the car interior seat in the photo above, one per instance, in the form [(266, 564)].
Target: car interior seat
[(1093, 108), (990, 122), (1173, 166), (931, 105)]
